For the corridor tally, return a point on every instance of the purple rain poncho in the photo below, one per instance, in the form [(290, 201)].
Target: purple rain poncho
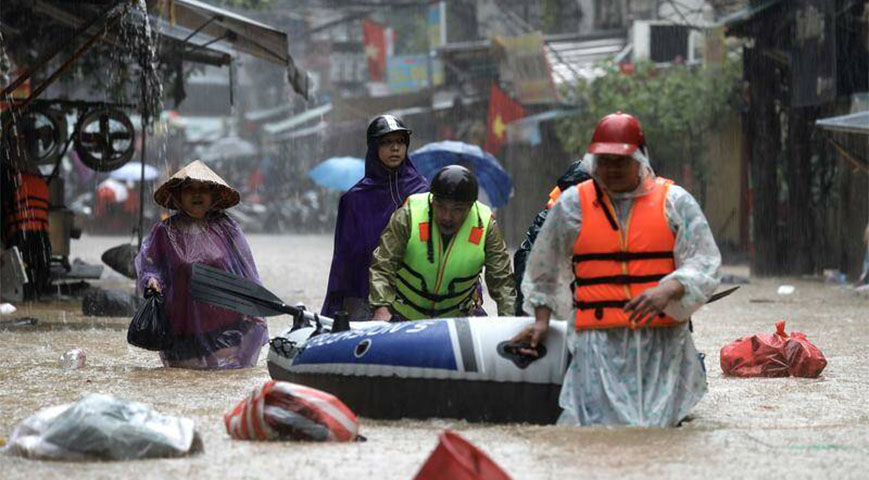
[(363, 213), (205, 337)]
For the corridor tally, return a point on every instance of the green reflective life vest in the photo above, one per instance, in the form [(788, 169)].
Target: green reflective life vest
[(445, 287)]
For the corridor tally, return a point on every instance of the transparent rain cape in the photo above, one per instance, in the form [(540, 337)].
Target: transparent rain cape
[(204, 336), (648, 377)]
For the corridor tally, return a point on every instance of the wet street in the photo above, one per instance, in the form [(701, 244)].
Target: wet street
[(743, 428)]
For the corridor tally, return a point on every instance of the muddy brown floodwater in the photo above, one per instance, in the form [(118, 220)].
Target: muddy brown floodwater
[(743, 428)]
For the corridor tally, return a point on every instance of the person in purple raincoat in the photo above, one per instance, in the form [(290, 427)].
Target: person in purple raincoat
[(363, 212), (204, 336)]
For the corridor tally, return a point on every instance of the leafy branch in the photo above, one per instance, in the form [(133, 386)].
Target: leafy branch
[(678, 107)]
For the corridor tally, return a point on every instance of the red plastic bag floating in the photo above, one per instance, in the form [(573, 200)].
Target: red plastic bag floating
[(759, 355), (773, 355), (455, 458), (804, 359), (288, 411)]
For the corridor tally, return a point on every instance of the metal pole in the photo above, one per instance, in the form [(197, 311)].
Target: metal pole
[(142, 187), (144, 121)]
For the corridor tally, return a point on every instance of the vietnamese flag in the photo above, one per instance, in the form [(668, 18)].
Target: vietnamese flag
[(502, 110), (375, 38)]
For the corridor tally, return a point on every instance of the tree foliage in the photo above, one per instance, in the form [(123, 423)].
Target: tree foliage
[(411, 31), (678, 107)]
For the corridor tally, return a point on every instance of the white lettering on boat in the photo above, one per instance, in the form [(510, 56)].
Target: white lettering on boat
[(404, 327)]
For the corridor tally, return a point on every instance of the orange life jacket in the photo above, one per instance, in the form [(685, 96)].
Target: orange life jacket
[(613, 264), (28, 211)]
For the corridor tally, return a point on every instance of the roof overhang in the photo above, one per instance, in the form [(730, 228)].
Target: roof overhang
[(852, 123), (289, 124), (736, 22), (173, 41), (572, 60), (192, 31), (244, 34), (571, 57)]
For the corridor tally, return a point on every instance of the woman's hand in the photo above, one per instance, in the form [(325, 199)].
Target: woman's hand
[(645, 306), (154, 284), (382, 313)]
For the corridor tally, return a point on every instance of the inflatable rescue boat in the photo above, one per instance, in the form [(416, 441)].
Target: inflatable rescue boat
[(453, 368)]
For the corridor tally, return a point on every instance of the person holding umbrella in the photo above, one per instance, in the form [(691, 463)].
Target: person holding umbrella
[(390, 178), (642, 259), (433, 250)]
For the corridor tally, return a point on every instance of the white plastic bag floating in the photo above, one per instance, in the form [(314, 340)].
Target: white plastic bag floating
[(103, 427), (72, 360)]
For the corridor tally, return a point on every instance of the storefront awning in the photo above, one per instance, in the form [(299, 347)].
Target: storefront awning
[(574, 59), (244, 34), (851, 123), (290, 124), (174, 40), (741, 17), (851, 147)]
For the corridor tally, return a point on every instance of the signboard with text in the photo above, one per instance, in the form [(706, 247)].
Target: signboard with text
[(410, 73), (526, 65)]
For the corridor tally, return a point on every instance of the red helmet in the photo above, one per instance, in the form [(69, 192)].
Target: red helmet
[(617, 134)]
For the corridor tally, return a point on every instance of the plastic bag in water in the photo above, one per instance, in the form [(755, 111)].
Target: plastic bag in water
[(149, 328), (458, 459), (804, 359), (287, 411), (103, 427), (73, 359), (773, 355)]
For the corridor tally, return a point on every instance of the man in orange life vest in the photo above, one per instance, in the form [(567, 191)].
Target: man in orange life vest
[(25, 225), (642, 259)]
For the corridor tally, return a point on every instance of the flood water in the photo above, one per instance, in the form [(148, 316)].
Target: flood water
[(743, 428)]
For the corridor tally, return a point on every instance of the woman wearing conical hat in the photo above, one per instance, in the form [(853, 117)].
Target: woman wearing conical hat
[(204, 337)]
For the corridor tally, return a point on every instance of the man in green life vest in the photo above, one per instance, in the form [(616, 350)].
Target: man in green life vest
[(433, 250)]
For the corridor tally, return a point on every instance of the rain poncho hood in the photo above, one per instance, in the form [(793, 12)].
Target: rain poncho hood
[(204, 336), (362, 214), (224, 195), (647, 174)]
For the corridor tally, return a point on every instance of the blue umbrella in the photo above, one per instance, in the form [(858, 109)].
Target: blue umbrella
[(493, 179), (339, 173)]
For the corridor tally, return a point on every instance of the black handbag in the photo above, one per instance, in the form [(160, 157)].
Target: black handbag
[(149, 328)]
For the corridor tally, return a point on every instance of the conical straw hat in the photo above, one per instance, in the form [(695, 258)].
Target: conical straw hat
[(224, 195)]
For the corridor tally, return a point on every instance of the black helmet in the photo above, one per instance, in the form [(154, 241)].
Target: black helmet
[(385, 124), (456, 183)]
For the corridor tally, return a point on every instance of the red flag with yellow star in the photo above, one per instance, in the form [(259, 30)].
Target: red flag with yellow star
[(502, 110), (374, 38)]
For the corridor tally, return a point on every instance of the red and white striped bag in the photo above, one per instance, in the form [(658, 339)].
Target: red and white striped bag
[(288, 411)]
